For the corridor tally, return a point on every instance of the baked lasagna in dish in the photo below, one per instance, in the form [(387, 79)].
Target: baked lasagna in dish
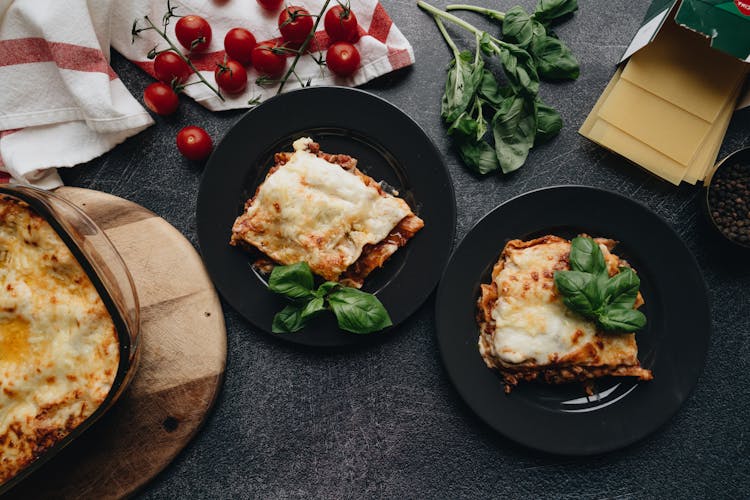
[(527, 333), (320, 209), (59, 350)]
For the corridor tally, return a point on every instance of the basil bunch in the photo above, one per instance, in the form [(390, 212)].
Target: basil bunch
[(554, 60), (588, 290), (356, 311), (475, 105)]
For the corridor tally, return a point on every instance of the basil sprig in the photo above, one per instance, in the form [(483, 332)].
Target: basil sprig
[(553, 59), (493, 124), (356, 311), (588, 289)]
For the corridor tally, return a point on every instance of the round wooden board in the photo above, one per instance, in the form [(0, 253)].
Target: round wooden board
[(183, 355)]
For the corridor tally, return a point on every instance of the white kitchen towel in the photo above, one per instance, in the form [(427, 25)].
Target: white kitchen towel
[(382, 47), (60, 102)]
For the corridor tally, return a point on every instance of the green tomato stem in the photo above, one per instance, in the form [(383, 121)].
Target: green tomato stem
[(303, 47), (494, 14), (179, 53)]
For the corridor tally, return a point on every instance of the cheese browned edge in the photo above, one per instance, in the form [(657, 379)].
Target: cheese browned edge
[(580, 365), (52, 384), (373, 255)]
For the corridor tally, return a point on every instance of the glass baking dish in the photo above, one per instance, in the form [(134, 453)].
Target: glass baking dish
[(109, 275)]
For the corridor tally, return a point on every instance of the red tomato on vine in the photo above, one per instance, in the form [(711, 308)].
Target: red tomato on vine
[(193, 32), (342, 58), (239, 44), (231, 76), (295, 23), (341, 24), (161, 98)]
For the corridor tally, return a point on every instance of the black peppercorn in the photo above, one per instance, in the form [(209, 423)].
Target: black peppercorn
[(728, 197)]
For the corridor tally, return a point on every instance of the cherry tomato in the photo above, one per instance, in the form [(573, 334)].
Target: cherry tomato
[(194, 143), (239, 44), (268, 62), (168, 66), (270, 4), (341, 24), (193, 32), (295, 23), (342, 58), (231, 76), (161, 99)]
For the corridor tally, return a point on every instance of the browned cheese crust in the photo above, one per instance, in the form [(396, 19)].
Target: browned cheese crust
[(372, 257), (59, 350), (605, 355)]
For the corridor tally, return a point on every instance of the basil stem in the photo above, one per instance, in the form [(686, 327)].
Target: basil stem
[(493, 14)]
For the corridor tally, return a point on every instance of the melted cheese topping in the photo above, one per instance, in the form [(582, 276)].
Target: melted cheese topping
[(311, 210), (59, 350), (533, 327)]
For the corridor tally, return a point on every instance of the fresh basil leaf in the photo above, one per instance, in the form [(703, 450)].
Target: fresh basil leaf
[(323, 289), (553, 59), (622, 289), (537, 31), (548, 122), (518, 65), (312, 308), (586, 256), (486, 44), (491, 91), (463, 78), (518, 26), (579, 292), (514, 129), (288, 320), (520, 69), (464, 126), (480, 121), (357, 311), (549, 10), (477, 113), (294, 281), (478, 155), (623, 320)]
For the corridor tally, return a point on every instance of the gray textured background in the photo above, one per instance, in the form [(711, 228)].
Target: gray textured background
[(383, 421)]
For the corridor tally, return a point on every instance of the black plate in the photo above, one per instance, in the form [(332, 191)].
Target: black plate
[(560, 419), (388, 145)]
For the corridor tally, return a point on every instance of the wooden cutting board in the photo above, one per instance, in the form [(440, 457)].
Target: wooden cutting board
[(183, 355)]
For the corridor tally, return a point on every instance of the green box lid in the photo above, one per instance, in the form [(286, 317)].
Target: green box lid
[(726, 23)]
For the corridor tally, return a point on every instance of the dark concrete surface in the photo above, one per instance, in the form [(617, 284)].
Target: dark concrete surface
[(384, 421)]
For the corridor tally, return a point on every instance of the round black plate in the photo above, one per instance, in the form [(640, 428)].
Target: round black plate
[(560, 418), (388, 145)]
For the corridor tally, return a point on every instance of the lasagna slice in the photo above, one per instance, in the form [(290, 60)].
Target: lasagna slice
[(320, 209), (527, 333)]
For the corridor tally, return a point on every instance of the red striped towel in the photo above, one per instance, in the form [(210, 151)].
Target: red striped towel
[(61, 104)]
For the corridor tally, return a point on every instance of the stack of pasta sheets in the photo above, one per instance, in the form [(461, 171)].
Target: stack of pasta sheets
[(669, 107)]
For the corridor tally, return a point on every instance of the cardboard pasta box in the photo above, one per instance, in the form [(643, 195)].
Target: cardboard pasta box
[(670, 102)]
